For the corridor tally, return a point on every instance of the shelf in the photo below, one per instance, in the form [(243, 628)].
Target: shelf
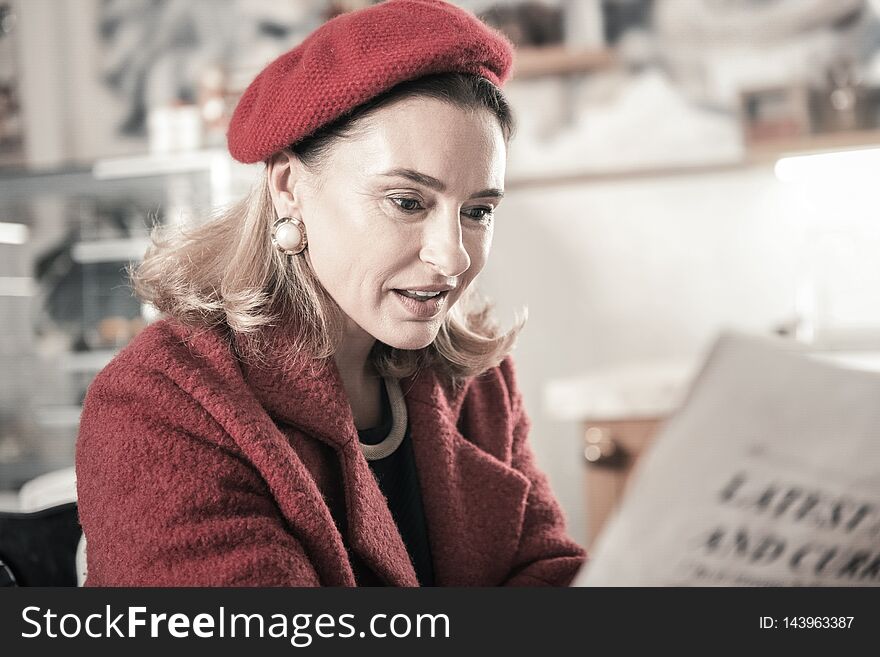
[(830, 141), (227, 179), (755, 155), (45, 175), (18, 286), (25, 185), (121, 250), (559, 60), (58, 416), (142, 166), (527, 180), (13, 474), (533, 62), (87, 361)]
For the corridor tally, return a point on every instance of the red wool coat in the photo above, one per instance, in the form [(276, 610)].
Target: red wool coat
[(193, 469)]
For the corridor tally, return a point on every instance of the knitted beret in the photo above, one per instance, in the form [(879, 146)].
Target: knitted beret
[(355, 57)]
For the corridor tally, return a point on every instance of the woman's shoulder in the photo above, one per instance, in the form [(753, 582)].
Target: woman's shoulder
[(166, 363), (493, 394), (170, 375), (502, 376), (171, 349)]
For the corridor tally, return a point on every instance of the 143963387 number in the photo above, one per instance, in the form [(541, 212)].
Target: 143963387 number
[(818, 622)]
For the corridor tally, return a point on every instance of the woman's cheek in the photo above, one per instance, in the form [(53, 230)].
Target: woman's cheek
[(478, 250)]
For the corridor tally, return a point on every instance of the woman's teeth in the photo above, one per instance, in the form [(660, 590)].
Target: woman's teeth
[(412, 294)]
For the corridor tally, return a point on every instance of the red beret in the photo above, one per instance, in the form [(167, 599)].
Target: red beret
[(355, 57)]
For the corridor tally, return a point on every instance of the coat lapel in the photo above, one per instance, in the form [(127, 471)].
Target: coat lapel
[(373, 534), (311, 398), (474, 503)]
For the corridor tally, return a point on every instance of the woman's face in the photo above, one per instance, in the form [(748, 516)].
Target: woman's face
[(404, 206)]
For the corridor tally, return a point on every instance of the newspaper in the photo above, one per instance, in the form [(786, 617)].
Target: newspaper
[(768, 475)]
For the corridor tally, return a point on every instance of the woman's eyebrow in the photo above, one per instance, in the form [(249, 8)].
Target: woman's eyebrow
[(435, 184)]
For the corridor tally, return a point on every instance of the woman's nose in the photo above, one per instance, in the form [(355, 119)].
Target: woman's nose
[(442, 246)]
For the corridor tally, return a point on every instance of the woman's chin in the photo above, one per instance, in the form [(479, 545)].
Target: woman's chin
[(411, 342)]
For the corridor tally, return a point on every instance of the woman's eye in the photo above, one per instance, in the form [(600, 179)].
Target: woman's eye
[(412, 205), (480, 214), (407, 204)]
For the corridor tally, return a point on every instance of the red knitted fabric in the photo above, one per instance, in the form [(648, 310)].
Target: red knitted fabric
[(355, 57), (194, 468)]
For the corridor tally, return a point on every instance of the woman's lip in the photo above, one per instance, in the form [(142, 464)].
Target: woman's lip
[(430, 288), (423, 309)]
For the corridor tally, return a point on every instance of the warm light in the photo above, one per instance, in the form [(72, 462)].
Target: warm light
[(820, 167), (13, 233)]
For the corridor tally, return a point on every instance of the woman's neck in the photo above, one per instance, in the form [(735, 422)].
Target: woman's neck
[(359, 377)]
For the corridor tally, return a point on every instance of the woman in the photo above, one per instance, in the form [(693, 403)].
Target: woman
[(320, 407)]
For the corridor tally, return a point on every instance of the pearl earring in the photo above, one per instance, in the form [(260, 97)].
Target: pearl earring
[(289, 235)]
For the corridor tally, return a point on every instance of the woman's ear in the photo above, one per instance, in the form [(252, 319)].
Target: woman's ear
[(285, 173)]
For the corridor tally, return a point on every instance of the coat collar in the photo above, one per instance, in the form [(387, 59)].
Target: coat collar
[(474, 503), (308, 395)]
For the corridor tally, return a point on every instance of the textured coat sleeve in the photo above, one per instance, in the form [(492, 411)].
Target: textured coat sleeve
[(165, 499), (546, 556)]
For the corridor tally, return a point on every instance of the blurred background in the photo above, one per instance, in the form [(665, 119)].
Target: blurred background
[(680, 167)]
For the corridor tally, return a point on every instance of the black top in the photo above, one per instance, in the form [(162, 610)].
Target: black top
[(398, 480)]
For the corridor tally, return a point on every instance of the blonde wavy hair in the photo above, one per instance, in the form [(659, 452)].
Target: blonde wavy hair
[(225, 273)]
